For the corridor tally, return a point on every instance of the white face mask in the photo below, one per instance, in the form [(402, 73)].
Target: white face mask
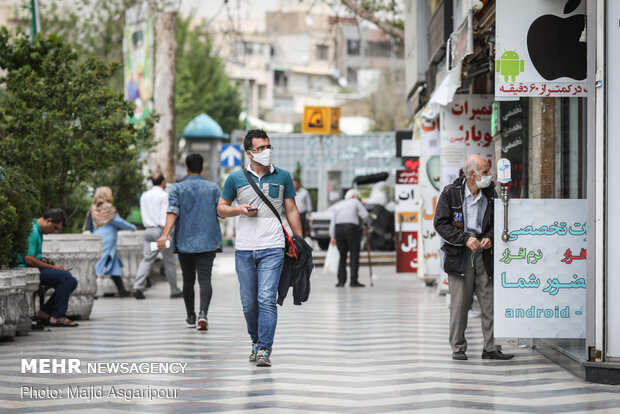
[(263, 157), (484, 182)]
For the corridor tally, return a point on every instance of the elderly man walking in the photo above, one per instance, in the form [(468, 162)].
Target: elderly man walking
[(464, 220), (153, 207)]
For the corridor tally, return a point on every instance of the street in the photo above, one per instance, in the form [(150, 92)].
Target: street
[(366, 350)]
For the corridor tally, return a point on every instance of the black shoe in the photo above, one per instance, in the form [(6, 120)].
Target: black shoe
[(496, 355), (357, 284), (459, 356), (124, 293), (263, 358), (191, 321), (179, 294), (202, 324), (138, 294), (339, 284)]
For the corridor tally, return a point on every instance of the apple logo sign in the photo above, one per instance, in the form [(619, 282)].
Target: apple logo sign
[(554, 46)]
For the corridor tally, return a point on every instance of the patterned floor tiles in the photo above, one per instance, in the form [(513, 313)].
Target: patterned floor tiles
[(372, 350)]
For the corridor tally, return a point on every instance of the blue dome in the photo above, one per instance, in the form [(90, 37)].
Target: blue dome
[(203, 126)]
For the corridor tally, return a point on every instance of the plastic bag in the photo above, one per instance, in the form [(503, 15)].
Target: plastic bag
[(332, 258)]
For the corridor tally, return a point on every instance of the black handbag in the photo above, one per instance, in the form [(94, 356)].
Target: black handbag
[(290, 246)]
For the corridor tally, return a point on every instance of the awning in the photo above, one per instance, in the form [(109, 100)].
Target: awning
[(444, 92)]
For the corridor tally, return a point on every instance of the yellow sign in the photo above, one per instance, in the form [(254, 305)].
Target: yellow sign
[(334, 121), (321, 120), (406, 217)]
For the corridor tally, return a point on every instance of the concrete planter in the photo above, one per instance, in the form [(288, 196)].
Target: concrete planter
[(129, 247), (17, 287), (79, 252)]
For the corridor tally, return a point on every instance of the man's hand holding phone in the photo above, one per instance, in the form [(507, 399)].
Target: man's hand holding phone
[(248, 210)]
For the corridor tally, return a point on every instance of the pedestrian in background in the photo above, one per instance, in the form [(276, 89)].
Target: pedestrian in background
[(153, 207), (192, 211), (304, 205), (464, 220), (103, 219), (345, 230)]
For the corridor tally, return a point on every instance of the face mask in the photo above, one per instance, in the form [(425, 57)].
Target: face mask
[(263, 157), (485, 181)]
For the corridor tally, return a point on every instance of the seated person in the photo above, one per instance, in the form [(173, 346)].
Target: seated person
[(55, 309)]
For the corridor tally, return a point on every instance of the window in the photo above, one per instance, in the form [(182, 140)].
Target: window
[(262, 92), (379, 49), (351, 76), (322, 52), (249, 50), (572, 154), (353, 47), (280, 79)]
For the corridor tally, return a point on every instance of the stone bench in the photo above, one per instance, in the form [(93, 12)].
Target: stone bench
[(17, 287), (79, 252), (129, 246)]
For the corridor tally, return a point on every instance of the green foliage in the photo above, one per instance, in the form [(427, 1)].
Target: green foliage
[(297, 172), (391, 11), (18, 202), (201, 82), (60, 122)]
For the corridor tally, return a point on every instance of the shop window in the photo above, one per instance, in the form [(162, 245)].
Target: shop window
[(571, 168)]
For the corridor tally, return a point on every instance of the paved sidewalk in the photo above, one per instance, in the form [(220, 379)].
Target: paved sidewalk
[(371, 350)]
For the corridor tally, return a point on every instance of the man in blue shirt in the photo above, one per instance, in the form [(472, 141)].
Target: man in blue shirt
[(55, 309), (192, 206), (260, 243)]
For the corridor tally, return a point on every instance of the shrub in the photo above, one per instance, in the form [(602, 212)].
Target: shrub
[(18, 204)]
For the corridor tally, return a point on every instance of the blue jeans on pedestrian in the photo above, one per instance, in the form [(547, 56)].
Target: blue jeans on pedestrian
[(63, 283), (259, 275)]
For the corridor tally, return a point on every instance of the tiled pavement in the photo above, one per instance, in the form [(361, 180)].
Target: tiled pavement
[(372, 350)]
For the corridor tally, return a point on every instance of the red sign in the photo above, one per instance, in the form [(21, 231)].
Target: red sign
[(407, 252), (407, 176)]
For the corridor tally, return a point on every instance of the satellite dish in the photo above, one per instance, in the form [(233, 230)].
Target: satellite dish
[(342, 81)]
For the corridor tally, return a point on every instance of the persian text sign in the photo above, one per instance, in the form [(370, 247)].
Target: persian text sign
[(540, 273), (407, 252), (540, 48), (465, 130)]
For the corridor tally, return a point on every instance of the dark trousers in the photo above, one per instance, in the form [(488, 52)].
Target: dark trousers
[(63, 284), (348, 240), (192, 263), (304, 224)]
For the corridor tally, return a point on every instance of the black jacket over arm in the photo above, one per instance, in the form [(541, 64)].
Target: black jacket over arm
[(449, 224)]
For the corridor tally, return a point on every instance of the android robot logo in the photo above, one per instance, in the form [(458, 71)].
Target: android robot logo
[(509, 65)]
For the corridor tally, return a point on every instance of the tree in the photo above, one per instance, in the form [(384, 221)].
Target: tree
[(201, 83), (386, 104), (386, 14), (59, 120)]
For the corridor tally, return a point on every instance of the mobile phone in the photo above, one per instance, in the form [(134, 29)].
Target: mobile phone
[(252, 209)]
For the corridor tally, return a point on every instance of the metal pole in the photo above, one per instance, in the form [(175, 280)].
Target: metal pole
[(36, 21), (322, 175), (368, 249), (505, 198)]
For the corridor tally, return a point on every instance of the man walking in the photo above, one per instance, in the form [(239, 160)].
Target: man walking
[(260, 243), (304, 205), (153, 207), (54, 310), (345, 233), (192, 206), (464, 220)]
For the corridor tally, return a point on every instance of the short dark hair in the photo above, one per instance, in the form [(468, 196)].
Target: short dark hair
[(253, 133), (157, 179), (194, 162), (57, 215)]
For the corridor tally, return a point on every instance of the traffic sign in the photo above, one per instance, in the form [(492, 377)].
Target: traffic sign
[(231, 156), (321, 120)]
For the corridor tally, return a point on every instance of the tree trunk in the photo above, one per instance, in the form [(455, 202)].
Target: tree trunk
[(162, 159)]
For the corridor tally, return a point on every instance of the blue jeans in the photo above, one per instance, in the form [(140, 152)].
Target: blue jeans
[(259, 275), (63, 283)]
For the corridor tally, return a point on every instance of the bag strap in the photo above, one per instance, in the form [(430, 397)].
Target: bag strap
[(261, 194)]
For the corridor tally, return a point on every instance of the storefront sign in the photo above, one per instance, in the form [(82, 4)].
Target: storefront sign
[(540, 48), (429, 186), (465, 130), (406, 220), (514, 126), (540, 272)]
